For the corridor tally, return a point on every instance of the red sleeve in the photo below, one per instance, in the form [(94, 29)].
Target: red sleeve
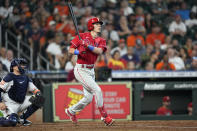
[(75, 42), (101, 43)]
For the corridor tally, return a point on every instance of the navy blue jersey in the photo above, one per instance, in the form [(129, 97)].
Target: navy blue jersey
[(18, 90)]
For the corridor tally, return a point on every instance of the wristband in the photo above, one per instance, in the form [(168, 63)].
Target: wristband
[(76, 52), (91, 47), (35, 91)]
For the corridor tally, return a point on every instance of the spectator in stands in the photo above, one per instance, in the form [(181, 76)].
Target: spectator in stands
[(167, 43), (52, 26), (15, 17), (21, 24), (177, 28), (110, 33), (6, 10), (54, 51), (139, 49), (61, 8), (121, 48), (78, 9), (192, 21), (194, 7), (88, 13), (131, 40), (3, 67), (98, 4), (164, 64), (131, 56), (190, 109), (164, 109), (34, 35), (124, 6), (176, 44), (131, 21), (188, 46), (157, 49), (115, 62), (111, 7), (111, 19), (9, 57), (123, 28), (130, 65), (159, 8), (2, 53), (146, 57), (62, 23), (5, 57), (183, 11), (183, 54), (148, 22), (141, 27), (101, 61), (156, 35), (149, 66), (140, 15), (193, 66), (175, 59)]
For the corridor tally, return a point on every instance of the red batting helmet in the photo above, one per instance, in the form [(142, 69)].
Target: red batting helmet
[(92, 21)]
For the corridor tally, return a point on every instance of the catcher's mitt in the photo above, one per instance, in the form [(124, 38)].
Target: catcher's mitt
[(37, 99)]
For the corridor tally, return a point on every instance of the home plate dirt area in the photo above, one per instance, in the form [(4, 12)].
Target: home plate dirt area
[(170, 125)]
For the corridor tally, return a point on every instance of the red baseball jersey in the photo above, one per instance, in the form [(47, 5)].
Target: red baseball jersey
[(89, 57), (164, 111)]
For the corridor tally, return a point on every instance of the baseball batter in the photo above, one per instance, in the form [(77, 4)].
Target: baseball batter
[(88, 49), (13, 98)]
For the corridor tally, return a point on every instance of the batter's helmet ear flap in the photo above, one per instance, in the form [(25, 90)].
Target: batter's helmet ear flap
[(93, 21)]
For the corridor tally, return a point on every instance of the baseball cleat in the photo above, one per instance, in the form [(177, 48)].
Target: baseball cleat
[(24, 122), (73, 118), (108, 120)]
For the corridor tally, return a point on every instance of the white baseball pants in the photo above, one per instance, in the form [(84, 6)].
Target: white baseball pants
[(86, 77)]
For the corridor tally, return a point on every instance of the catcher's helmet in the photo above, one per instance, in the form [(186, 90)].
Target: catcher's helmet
[(19, 62), (93, 21)]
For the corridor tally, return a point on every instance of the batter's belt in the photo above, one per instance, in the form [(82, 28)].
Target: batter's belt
[(89, 66)]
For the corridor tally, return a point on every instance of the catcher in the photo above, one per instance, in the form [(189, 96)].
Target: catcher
[(13, 95)]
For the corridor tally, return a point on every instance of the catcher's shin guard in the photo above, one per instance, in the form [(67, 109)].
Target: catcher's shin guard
[(29, 111)]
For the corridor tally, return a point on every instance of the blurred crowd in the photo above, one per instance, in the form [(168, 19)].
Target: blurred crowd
[(140, 34)]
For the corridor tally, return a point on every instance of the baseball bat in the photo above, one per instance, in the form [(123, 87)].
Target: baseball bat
[(73, 17)]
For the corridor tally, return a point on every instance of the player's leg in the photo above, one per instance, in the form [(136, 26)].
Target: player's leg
[(88, 96), (87, 78), (28, 109), (71, 111)]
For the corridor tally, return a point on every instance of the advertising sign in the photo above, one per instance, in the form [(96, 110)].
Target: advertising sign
[(116, 97)]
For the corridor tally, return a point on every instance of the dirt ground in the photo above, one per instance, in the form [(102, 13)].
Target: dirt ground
[(186, 125)]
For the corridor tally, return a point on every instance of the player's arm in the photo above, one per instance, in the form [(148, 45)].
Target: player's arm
[(73, 51), (37, 99), (32, 88), (95, 50)]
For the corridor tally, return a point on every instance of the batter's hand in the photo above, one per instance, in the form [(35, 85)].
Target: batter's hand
[(2, 106)]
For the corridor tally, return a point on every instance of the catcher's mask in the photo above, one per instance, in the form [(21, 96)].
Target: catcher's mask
[(21, 63)]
